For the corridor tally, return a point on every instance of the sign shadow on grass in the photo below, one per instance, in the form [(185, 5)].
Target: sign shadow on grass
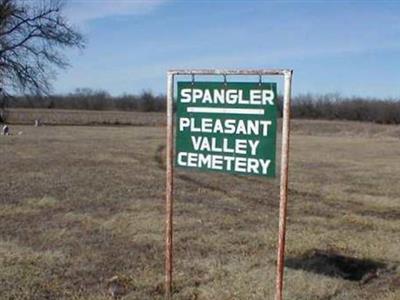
[(333, 264)]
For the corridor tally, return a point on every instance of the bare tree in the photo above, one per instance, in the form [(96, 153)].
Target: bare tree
[(32, 37)]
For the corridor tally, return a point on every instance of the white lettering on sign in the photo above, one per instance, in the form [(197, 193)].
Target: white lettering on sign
[(227, 126), (238, 146), (227, 96), (220, 162)]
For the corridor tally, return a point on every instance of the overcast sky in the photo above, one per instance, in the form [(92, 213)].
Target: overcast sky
[(352, 48)]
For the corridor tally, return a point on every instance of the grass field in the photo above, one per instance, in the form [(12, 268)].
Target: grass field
[(79, 205)]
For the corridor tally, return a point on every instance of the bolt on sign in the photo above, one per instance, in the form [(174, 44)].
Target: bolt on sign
[(226, 127)]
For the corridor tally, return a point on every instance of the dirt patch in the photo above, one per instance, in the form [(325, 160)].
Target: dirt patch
[(332, 264)]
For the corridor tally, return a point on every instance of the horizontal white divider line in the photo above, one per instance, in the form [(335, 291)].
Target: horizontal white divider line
[(217, 110)]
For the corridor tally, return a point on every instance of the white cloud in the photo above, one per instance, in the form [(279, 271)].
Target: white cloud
[(81, 11)]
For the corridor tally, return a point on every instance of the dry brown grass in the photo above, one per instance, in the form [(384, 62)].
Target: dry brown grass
[(80, 205)]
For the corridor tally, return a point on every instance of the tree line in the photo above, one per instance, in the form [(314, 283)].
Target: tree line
[(88, 99), (307, 106), (336, 107)]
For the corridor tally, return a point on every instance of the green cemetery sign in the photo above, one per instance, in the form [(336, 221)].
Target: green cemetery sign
[(227, 127)]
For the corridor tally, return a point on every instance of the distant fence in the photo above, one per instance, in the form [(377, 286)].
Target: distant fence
[(83, 117)]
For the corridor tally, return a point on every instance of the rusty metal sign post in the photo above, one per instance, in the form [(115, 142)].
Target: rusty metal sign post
[(287, 74)]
